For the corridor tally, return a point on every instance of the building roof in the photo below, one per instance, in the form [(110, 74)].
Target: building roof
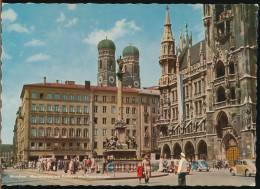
[(149, 91), (106, 43), (194, 55), (130, 50), (79, 87)]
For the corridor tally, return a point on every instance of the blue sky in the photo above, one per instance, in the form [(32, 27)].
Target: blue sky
[(59, 41)]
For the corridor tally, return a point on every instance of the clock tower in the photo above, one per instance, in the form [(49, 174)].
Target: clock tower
[(106, 63)]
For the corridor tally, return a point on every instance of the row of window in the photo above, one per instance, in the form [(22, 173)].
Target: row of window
[(197, 89), (113, 120), (58, 96), (175, 112), (57, 120), (104, 132), (56, 145), (58, 108), (59, 132), (113, 109)]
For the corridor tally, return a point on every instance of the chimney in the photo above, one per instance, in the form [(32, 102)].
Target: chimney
[(87, 85), (57, 81), (44, 80)]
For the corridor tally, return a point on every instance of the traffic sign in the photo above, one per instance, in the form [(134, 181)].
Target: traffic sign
[(111, 167)]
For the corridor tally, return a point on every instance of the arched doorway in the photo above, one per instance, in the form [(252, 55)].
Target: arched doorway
[(230, 147), (176, 151), (166, 152), (222, 121), (189, 151), (202, 150)]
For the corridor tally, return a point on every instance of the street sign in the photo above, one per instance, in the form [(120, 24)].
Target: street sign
[(111, 167)]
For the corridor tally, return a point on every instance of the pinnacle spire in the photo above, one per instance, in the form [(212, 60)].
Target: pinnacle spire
[(167, 18), (167, 32)]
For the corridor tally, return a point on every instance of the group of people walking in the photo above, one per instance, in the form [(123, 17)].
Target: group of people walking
[(219, 164)]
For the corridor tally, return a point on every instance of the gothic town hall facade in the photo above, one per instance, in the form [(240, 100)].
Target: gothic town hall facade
[(208, 89)]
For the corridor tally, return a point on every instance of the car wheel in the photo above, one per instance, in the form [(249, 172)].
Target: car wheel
[(232, 172), (199, 170), (247, 173), (207, 170)]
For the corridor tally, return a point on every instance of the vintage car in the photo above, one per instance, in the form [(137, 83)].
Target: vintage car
[(244, 166), (200, 165), (155, 165), (176, 165)]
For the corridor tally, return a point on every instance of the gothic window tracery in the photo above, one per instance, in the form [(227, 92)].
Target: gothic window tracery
[(231, 68), (220, 69), (221, 94)]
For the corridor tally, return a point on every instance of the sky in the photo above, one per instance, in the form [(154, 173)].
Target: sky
[(59, 41)]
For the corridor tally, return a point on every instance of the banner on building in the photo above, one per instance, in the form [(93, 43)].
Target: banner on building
[(181, 106)]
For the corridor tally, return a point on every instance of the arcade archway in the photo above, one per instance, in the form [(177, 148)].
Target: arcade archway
[(176, 151), (189, 151), (166, 151), (202, 150)]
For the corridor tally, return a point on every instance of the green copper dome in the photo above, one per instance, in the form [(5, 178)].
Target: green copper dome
[(131, 50), (106, 43)]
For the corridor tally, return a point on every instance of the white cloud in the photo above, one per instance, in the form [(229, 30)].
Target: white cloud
[(18, 28), (61, 18), (38, 57), (9, 15), (72, 22), (5, 55), (34, 42), (197, 6), (119, 30), (71, 6)]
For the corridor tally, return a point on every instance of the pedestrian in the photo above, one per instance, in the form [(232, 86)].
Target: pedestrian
[(103, 165), (66, 165), (49, 165), (84, 164), (161, 164), (89, 163), (92, 164), (71, 166), (55, 165), (147, 168), (235, 161), (139, 171), (182, 170)]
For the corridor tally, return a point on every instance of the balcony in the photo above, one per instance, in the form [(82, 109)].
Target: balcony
[(219, 80), (220, 104), (232, 76)]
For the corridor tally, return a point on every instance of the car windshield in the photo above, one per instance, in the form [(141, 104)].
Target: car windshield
[(253, 162), (203, 162)]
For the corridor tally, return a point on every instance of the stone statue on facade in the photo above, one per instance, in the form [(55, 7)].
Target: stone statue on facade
[(227, 93), (238, 93)]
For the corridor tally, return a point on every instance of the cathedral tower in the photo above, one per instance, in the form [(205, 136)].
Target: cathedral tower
[(131, 65), (106, 63)]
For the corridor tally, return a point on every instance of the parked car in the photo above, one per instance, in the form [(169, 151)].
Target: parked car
[(200, 165), (170, 166), (176, 165), (155, 165), (244, 166)]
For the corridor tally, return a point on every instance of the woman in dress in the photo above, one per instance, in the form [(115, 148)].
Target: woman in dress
[(160, 164)]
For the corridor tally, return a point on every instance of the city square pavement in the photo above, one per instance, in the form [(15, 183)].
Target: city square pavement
[(33, 177)]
